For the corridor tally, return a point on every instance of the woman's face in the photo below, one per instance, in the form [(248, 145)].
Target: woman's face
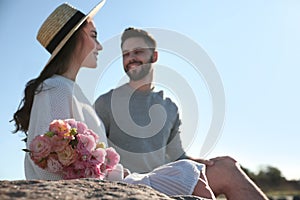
[(90, 46)]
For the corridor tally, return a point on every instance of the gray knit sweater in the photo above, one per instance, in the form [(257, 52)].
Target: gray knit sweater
[(144, 127)]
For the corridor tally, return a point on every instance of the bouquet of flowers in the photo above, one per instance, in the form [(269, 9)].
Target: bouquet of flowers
[(73, 150)]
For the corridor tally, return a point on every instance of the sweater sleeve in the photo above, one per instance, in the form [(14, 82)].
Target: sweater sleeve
[(116, 174), (175, 149), (51, 103)]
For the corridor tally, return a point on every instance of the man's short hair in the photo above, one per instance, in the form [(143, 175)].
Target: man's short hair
[(134, 32)]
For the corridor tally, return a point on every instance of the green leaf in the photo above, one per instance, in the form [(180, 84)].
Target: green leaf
[(49, 134), (73, 131), (26, 150)]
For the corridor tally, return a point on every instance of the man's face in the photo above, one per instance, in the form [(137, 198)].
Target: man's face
[(137, 58)]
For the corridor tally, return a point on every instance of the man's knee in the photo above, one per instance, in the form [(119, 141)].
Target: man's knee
[(225, 164)]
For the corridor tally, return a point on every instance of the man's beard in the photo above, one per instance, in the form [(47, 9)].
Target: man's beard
[(138, 74)]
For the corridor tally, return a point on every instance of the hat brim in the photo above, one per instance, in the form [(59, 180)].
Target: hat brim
[(91, 14)]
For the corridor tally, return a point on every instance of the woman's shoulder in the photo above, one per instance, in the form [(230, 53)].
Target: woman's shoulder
[(59, 84), (58, 80)]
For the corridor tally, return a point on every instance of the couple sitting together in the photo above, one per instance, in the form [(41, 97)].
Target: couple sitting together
[(147, 156)]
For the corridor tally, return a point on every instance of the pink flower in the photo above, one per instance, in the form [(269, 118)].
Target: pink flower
[(60, 127), (73, 150), (86, 143), (40, 147), (81, 127), (79, 165), (58, 144), (71, 122), (71, 173), (67, 156), (112, 158), (53, 165), (93, 171), (92, 133), (98, 156)]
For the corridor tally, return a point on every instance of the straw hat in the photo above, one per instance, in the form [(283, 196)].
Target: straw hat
[(61, 25)]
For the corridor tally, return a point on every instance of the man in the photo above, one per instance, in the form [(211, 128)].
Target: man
[(144, 143), (144, 126)]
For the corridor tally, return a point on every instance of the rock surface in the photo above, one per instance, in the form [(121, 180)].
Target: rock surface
[(79, 189)]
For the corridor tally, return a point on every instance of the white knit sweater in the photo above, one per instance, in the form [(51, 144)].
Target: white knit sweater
[(61, 98)]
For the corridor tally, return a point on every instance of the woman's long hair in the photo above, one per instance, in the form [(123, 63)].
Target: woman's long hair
[(58, 65)]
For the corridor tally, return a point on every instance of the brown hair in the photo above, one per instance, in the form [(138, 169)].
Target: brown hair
[(58, 65), (134, 32)]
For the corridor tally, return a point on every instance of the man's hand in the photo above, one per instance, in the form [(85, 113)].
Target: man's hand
[(203, 161), (126, 172)]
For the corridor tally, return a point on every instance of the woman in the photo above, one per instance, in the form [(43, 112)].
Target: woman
[(71, 38)]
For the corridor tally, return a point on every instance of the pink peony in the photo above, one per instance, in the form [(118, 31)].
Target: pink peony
[(98, 156), (53, 165), (71, 122), (40, 147), (67, 156), (71, 173), (112, 158), (58, 144), (81, 127), (86, 143), (71, 149), (93, 171), (79, 165), (60, 127), (92, 133)]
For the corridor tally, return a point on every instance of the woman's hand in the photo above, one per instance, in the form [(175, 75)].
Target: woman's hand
[(126, 172)]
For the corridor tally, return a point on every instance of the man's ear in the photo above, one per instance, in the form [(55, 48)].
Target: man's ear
[(154, 56)]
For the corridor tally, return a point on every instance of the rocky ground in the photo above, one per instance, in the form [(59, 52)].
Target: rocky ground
[(79, 189)]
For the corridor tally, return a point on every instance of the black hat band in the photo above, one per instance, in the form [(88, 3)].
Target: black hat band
[(64, 31)]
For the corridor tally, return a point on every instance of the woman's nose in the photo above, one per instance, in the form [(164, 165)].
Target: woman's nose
[(99, 46)]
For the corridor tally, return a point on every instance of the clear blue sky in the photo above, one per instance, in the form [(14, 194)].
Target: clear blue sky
[(253, 44)]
